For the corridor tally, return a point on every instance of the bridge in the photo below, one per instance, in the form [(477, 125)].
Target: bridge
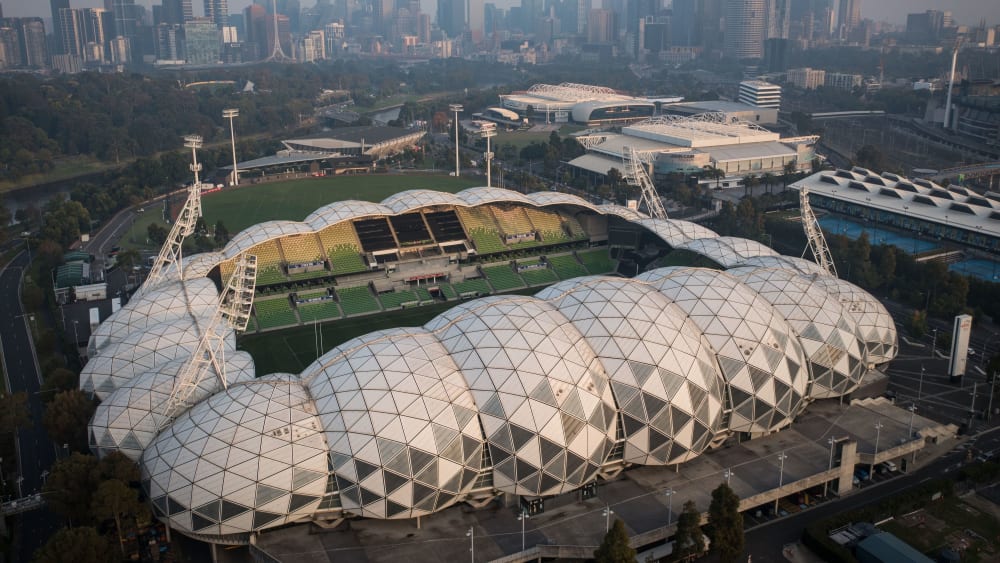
[(23, 504), (968, 171)]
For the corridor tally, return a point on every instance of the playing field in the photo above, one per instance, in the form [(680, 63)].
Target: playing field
[(293, 200)]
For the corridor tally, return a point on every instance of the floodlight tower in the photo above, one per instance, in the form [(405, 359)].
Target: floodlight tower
[(636, 176), (488, 130), (233, 312), (231, 114), (170, 254), (456, 108)]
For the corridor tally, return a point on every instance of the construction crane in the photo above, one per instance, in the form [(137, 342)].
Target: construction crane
[(233, 312), (636, 176), (814, 234), (170, 254)]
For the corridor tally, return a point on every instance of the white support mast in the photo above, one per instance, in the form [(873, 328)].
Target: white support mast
[(233, 312), (814, 234), (636, 175), (170, 253), (277, 54)]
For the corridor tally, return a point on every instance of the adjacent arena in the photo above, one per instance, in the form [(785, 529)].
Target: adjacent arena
[(528, 395), (581, 103)]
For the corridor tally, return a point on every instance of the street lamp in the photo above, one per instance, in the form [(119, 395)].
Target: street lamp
[(781, 478), (471, 534), (230, 114), (920, 387), (607, 518), (829, 466), (878, 433), (909, 429), (728, 473), (488, 130), (523, 518), (456, 108), (934, 341), (670, 504)]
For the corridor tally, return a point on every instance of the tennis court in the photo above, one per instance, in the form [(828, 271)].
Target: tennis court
[(853, 230)]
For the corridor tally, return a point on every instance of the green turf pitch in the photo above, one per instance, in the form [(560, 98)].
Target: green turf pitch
[(293, 200)]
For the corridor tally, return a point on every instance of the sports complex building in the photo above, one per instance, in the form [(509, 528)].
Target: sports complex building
[(515, 395), (689, 144), (580, 103)]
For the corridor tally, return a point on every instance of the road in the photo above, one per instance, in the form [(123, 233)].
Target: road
[(36, 452)]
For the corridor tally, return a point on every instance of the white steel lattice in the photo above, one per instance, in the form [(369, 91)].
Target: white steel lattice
[(636, 175), (233, 311), (814, 234)]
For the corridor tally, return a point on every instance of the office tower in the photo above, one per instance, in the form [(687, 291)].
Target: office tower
[(601, 26), (168, 42), (745, 20), (476, 20), (848, 15), (684, 26), (10, 46), (759, 93), (1, 11), (451, 17), (57, 33), (710, 18), (177, 11), (779, 15), (382, 13), (33, 41), (125, 12), (71, 27), (636, 10), (218, 12), (202, 42)]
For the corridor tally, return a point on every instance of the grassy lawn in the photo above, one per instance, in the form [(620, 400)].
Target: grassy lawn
[(135, 237), (295, 199), (520, 139)]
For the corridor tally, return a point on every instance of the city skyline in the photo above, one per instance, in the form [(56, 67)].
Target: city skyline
[(965, 12)]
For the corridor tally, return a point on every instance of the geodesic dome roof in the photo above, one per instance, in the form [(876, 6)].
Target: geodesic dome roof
[(401, 423), (414, 199), (342, 211), (130, 417), (663, 374), (874, 321), (543, 397), (715, 249), (248, 458), (746, 248), (168, 302), (800, 265), (826, 329), (758, 352), (480, 195), (560, 198)]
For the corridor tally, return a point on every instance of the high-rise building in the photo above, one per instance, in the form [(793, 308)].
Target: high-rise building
[(684, 28), (476, 20), (848, 15), (779, 16), (57, 34), (806, 78), (71, 27), (745, 28), (33, 42), (218, 12), (202, 42), (10, 46), (601, 26), (177, 11), (760, 93), (926, 26), (125, 13), (451, 17), (169, 42)]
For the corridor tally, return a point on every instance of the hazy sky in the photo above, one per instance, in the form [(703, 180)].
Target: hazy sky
[(967, 12)]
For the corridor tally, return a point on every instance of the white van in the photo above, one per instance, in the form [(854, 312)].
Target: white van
[(889, 466)]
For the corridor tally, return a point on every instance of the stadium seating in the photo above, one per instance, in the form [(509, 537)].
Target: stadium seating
[(540, 276), (476, 286), (318, 310), (251, 325), (448, 291), (299, 249), (410, 229), (311, 294), (512, 221), (575, 228), (343, 248), (273, 313), (566, 266), (268, 263), (482, 229), (548, 224), (445, 225), (375, 234), (395, 299), (309, 275), (423, 294), (357, 300), (503, 278), (597, 261)]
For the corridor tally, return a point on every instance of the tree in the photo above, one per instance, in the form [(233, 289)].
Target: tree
[(688, 539), (117, 465), (14, 412), (66, 418), (56, 380), (128, 258), (615, 547), (81, 545), (726, 524), (221, 233), (70, 486), (156, 233), (114, 500)]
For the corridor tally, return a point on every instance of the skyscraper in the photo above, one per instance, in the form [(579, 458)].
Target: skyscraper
[(684, 26), (57, 33), (33, 36), (218, 12), (848, 15), (779, 15), (71, 27), (177, 11), (451, 17), (745, 28)]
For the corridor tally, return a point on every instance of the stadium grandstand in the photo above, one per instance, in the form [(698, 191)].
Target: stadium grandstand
[(689, 144), (374, 141), (581, 103), (502, 116), (528, 396)]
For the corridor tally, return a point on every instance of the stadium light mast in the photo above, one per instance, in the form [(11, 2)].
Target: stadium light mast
[(456, 108), (230, 114), (488, 130), (194, 142)]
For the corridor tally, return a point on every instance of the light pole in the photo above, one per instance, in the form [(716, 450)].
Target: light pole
[(728, 474), (909, 428), (607, 518), (920, 387), (523, 518), (456, 108), (670, 504), (934, 343), (230, 114), (878, 433), (781, 478), (3, 482), (989, 407), (488, 130), (20, 480), (472, 543), (829, 466), (193, 142)]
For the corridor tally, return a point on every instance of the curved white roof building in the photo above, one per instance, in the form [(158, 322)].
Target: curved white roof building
[(526, 395)]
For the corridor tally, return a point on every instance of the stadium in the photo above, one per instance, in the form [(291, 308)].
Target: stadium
[(545, 367), (581, 103)]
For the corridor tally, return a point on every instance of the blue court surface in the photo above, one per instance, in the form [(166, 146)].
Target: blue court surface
[(852, 230), (977, 267)]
